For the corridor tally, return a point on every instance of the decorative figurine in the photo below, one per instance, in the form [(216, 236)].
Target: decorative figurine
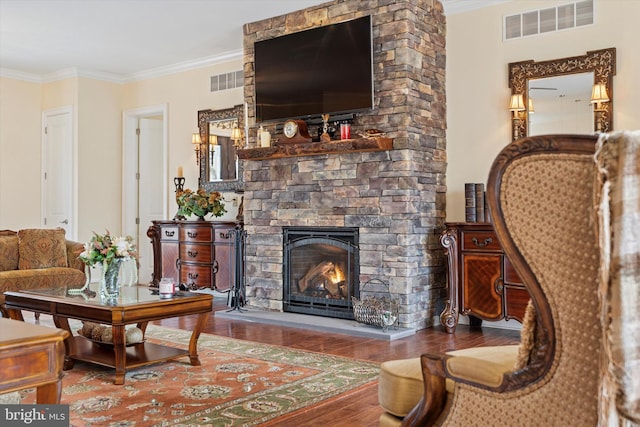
[(325, 127)]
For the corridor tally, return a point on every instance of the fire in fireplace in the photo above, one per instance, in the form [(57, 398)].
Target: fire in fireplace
[(321, 270)]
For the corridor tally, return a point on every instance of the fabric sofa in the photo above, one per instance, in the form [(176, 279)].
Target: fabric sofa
[(38, 258)]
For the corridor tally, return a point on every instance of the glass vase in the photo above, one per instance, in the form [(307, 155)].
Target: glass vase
[(109, 285)]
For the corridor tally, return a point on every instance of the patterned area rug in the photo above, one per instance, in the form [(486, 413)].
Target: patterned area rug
[(240, 383)]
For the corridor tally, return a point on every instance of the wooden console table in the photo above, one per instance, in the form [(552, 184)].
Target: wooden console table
[(31, 356), (482, 282), (198, 254)]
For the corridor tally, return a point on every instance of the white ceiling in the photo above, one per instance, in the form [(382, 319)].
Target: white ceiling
[(124, 40)]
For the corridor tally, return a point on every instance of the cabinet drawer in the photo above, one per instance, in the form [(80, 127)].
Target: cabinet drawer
[(196, 234), (191, 252), (480, 241), (510, 275), (169, 233), (515, 302), (195, 276), (223, 235)]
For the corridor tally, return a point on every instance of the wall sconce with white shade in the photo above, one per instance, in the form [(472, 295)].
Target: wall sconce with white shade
[(599, 97), (197, 146), (517, 108), (236, 136), (530, 110)]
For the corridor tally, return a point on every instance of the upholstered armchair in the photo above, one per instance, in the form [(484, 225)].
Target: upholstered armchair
[(579, 360)]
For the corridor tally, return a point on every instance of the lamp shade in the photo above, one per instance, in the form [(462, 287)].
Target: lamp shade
[(195, 139), (599, 93), (235, 134), (213, 139), (517, 103), (531, 110)]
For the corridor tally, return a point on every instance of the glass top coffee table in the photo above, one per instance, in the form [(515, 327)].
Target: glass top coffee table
[(135, 305)]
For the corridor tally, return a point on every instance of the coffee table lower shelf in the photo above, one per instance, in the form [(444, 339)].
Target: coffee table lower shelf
[(141, 354)]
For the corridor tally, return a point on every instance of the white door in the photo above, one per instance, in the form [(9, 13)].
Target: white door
[(57, 173), (150, 188), (145, 178)]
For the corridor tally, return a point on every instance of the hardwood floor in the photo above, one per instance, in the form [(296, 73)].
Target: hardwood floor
[(361, 408)]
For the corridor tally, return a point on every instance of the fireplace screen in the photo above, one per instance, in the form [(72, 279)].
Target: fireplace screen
[(321, 271)]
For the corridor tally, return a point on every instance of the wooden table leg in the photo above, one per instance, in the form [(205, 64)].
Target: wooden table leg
[(15, 314), (193, 342), (49, 393), (69, 342), (120, 351)]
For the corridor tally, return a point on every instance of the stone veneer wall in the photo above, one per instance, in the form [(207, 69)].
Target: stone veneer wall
[(397, 197)]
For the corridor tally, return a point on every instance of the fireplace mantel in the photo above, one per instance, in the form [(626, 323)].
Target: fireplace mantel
[(280, 150)]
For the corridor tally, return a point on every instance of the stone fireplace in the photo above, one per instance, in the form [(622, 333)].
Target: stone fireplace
[(395, 199)]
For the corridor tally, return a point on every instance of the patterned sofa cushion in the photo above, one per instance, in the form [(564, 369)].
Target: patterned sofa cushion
[(42, 248), (8, 253), (40, 278)]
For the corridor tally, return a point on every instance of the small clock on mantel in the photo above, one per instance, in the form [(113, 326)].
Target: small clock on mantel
[(295, 131)]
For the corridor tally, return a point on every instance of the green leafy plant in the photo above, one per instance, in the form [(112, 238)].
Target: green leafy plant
[(200, 203), (104, 248)]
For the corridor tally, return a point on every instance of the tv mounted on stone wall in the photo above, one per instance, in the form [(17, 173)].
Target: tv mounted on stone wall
[(323, 70)]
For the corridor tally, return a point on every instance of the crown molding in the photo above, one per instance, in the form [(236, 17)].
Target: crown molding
[(10, 73), (69, 73)]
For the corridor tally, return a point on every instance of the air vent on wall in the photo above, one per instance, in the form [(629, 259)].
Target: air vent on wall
[(566, 16), (227, 81)]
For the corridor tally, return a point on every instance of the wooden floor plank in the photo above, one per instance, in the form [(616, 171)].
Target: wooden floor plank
[(360, 408)]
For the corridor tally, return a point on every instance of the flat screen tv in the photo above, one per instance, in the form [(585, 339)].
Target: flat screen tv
[(324, 70)]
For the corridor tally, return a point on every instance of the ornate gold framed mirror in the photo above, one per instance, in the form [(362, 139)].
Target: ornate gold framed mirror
[(220, 169), (602, 63)]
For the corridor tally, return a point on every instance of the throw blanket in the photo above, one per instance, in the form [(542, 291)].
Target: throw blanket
[(618, 161)]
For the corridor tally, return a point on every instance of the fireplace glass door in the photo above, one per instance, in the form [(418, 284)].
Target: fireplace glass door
[(321, 271)]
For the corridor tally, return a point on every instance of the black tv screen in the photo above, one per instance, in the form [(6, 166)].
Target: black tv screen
[(324, 70)]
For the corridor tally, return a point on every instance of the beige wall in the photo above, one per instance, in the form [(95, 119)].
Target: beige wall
[(478, 122), (20, 146)]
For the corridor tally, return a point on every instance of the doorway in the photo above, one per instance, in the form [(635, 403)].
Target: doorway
[(145, 179), (58, 169)]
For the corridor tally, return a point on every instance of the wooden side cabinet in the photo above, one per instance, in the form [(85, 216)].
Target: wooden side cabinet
[(199, 254), (481, 281)]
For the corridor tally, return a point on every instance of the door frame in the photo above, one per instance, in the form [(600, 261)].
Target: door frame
[(130, 163), (73, 214)]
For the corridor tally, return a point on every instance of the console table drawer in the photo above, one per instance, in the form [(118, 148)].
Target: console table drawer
[(196, 234), (480, 241), (516, 299), (223, 235), (169, 233), (196, 276), (190, 252)]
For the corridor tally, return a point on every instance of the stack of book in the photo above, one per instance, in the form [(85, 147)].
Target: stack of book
[(475, 204)]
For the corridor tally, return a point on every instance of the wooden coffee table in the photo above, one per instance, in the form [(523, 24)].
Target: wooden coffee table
[(31, 356), (135, 305)]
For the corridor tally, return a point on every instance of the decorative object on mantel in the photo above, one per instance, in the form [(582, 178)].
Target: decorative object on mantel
[(371, 133), (111, 253), (325, 137), (295, 132), (200, 203), (315, 148)]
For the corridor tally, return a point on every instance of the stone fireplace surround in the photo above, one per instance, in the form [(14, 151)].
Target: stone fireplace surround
[(396, 198)]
